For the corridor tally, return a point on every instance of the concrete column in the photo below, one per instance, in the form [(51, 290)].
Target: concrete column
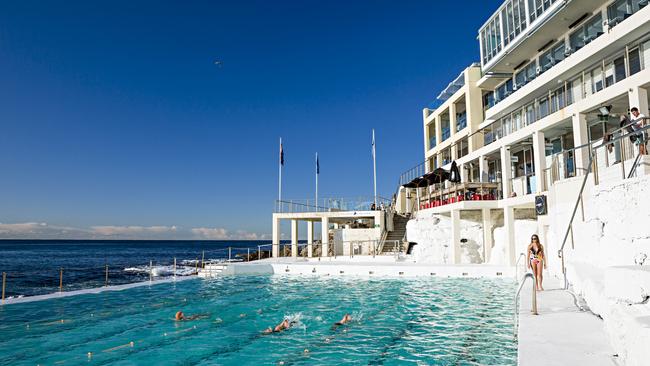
[(294, 238), (275, 236), (310, 239), (639, 98), (455, 237), (488, 241), (464, 172), (452, 119), (483, 168), (438, 132), (539, 159), (509, 228), (506, 171), (454, 152), (325, 236), (580, 137)]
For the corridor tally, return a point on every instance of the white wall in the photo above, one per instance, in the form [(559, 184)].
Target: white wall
[(363, 237), (432, 232), (600, 265)]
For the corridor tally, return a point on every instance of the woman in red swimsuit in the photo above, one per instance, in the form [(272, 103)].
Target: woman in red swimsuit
[(536, 259)]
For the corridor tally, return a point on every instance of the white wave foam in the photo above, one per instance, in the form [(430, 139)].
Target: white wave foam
[(162, 271)]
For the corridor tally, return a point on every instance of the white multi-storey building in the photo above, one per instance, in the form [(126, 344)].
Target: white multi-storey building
[(555, 78)]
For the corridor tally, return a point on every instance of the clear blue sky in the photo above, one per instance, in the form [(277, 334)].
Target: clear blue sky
[(113, 114)]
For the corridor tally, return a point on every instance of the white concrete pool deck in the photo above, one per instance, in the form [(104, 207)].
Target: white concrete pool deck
[(96, 290), (561, 334), (380, 266)]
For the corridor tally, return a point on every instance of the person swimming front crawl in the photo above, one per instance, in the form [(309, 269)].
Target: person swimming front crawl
[(181, 317), (346, 319), (284, 325)]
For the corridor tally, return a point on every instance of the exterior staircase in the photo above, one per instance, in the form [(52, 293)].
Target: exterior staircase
[(391, 243)]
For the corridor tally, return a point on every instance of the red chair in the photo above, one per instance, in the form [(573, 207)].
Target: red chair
[(461, 198)]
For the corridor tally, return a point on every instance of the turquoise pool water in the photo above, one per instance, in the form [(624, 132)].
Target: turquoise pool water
[(419, 322)]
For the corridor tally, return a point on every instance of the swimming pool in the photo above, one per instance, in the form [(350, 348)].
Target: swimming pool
[(396, 321)]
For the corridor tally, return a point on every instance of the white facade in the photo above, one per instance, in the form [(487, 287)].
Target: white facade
[(556, 77)]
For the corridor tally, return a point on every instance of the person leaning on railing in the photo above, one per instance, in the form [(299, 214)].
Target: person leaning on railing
[(638, 120)]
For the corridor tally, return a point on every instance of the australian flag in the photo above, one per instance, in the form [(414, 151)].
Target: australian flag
[(317, 165)]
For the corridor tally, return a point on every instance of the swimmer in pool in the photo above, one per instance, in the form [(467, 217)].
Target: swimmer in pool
[(280, 327), (182, 317), (346, 319)]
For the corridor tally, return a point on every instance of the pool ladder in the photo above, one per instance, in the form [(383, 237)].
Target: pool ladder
[(533, 309)]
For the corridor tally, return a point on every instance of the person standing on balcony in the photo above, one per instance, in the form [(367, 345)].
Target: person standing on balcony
[(536, 258), (639, 122)]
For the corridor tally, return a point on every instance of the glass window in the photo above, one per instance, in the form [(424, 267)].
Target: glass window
[(609, 74), (634, 60), (576, 39), (520, 78), (597, 79), (531, 71), (557, 100), (646, 55), (531, 8), (510, 23), (543, 109), (576, 90), (488, 100), (619, 69), (498, 130), (594, 28), (587, 87), (618, 11), (517, 121), (522, 15), (507, 125), (530, 113)]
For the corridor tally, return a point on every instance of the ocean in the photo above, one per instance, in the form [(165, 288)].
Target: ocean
[(33, 267)]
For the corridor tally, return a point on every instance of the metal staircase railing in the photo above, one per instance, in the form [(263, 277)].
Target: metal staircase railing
[(590, 167)]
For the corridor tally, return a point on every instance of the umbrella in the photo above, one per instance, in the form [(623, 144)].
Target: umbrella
[(454, 174)]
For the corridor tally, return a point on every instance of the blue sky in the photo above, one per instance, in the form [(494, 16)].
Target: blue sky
[(115, 122)]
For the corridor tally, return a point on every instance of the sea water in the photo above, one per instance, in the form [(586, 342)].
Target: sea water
[(433, 321), (33, 267)]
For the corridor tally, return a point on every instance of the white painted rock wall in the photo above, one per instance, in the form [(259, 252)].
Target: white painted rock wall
[(601, 267), (432, 232), (524, 229)]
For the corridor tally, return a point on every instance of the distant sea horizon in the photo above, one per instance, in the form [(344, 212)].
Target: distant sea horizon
[(33, 266)]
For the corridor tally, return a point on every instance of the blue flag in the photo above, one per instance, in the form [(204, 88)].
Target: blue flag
[(317, 165)]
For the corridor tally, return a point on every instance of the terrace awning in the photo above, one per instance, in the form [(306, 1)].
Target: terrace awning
[(439, 175)]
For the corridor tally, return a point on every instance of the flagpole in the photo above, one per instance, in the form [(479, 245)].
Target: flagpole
[(280, 178), (317, 171), (374, 165)]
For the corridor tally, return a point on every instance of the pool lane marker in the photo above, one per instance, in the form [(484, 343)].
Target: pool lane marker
[(57, 322), (130, 344), (179, 331)]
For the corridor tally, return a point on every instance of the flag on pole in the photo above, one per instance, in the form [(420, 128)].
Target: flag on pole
[(374, 167), (281, 154), (317, 165)]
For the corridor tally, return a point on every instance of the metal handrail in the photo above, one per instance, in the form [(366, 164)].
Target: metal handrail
[(582, 187), (517, 264), (560, 252), (534, 304)]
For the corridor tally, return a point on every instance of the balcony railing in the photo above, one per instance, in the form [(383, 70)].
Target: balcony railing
[(330, 204), (602, 74), (618, 12)]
